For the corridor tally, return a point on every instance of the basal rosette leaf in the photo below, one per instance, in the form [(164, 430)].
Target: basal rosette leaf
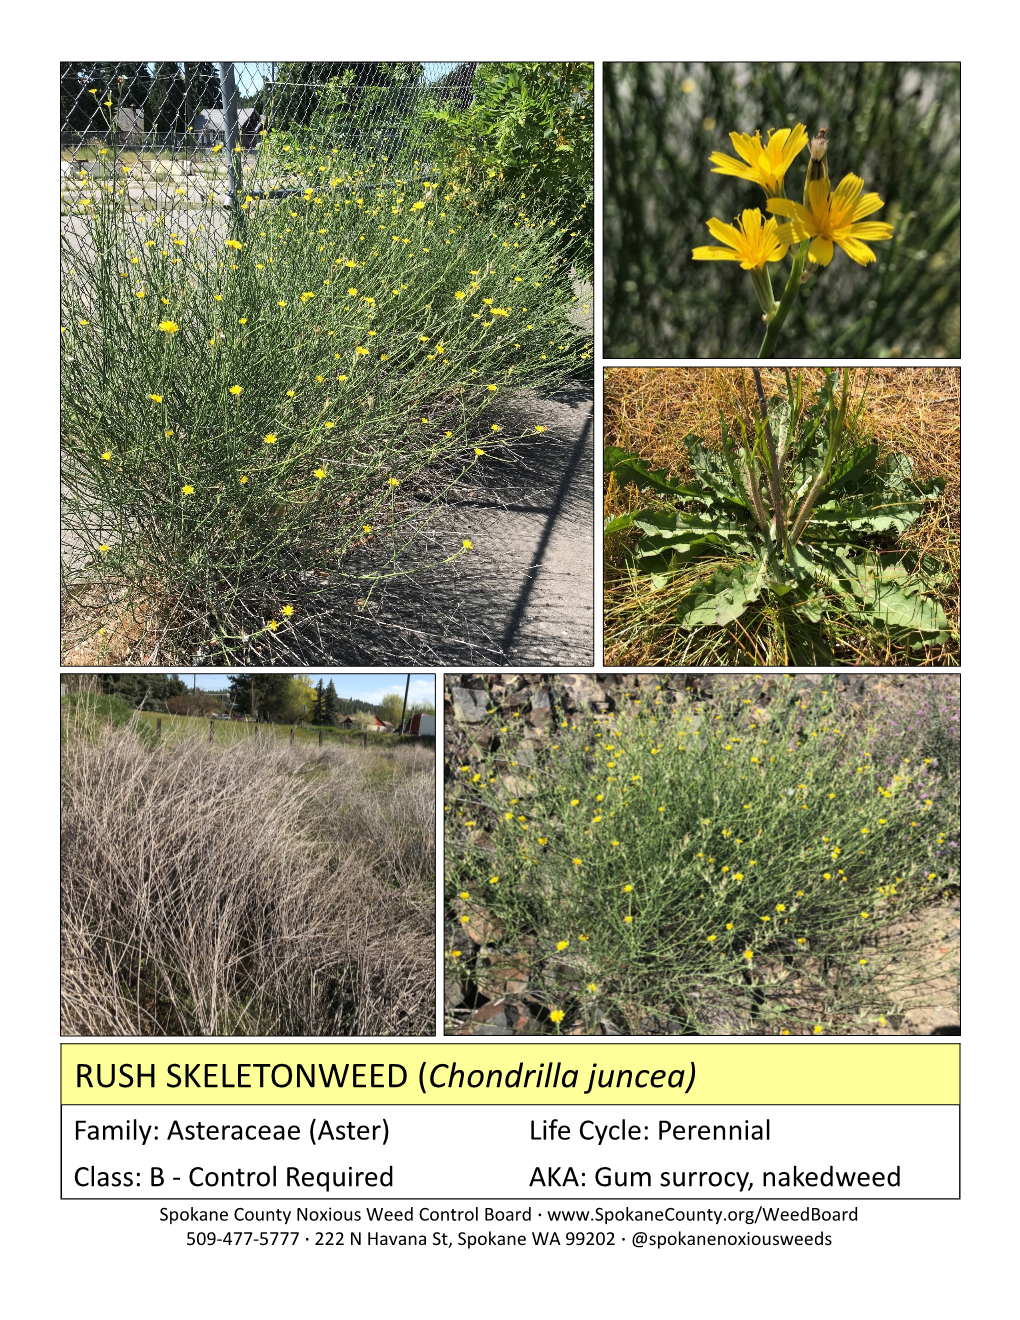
[(888, 594), (629, 469), (723, 598)]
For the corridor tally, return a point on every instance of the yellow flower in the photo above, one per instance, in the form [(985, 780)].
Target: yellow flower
[(233, 243), (366, 529), (187, 490), (270, 439), (563, 944), (103, 549), (468, 545), (627, 919), (107, 456), (362, 352), (319, 473), (287, 611), (493, 879), (459, 294), (236, 389), (243, 480), (306, 296), (557, 1015), (628, 889), (592, 988), (752, 242), (494, 427), (492, 388), (712, 937), (455, 953), (576, 861), (156, 398), (748, 954), (393, 482), (818, 1029), (169, 327), (834, 218), (272, 625), (479, 453), (765, 165)]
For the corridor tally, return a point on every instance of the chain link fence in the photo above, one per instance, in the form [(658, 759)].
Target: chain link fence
[(183, 136)]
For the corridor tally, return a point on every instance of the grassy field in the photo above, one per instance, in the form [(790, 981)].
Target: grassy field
[(246, 887), (649, 411), (175, 727), (747, 865)]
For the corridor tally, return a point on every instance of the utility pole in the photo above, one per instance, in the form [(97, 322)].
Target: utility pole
[(403, 709), (228, 94)]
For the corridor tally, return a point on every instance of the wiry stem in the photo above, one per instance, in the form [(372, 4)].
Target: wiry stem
[(785, 303), (774, 474), (836, 424)]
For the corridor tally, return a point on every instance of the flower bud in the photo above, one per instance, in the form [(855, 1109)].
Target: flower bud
[(817, 168)]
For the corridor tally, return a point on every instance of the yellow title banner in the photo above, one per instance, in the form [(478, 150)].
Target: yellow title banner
[(560, 1072)]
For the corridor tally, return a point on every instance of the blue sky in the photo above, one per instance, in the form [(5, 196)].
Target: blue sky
[(367, 687)]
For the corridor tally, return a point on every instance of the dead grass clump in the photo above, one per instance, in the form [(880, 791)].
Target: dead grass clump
[(246, 889)]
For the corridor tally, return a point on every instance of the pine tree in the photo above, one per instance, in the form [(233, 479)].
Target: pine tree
[(319, 709), (331, 706)]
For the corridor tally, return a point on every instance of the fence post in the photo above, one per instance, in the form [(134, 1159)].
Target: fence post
[(228, 94), (292, 737), (159, 725), (212, 729), (320, 737), (364, 739)]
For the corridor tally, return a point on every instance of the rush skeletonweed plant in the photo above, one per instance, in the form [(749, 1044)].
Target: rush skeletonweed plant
[(807, 232), (254, 415), (784, 545)]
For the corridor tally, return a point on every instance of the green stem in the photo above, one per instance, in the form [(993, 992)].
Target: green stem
[(785, 303)]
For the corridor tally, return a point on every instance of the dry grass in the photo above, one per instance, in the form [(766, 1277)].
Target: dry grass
[(908, 410), (249, 890)]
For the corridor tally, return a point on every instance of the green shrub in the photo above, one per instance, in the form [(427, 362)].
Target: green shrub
[(528, 134), (88, 712)]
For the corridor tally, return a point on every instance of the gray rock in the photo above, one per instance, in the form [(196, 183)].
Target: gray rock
[(469, 706)]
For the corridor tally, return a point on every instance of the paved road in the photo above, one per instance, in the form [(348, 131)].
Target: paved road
[(524, 595)]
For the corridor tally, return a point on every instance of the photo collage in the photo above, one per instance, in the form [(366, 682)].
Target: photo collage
[(510, 550)]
